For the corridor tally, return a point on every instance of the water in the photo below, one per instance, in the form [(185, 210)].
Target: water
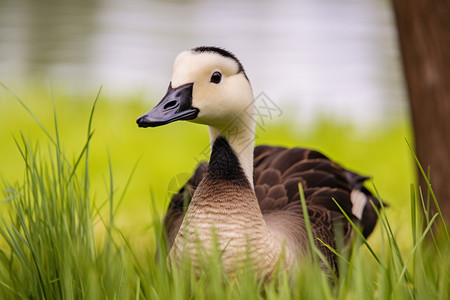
[(335, 58)]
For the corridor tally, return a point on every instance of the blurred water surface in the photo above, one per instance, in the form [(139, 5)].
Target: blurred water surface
[(334, 58)]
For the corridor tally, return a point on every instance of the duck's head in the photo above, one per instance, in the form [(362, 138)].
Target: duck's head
[(208, 86)]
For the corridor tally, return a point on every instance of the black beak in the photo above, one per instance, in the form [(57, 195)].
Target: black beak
[(175, 105)]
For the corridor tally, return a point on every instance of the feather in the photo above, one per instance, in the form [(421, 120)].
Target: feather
[(277, 173)]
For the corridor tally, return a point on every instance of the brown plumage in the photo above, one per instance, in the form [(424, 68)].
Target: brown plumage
[(277, 172)]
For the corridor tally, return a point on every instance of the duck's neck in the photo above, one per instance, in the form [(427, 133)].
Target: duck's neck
[(240, 135), (224, 208)]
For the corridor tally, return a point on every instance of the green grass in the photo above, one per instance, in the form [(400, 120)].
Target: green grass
[(83, 198)]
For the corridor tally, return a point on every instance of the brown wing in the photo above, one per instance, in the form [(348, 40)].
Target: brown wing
[(277, 173)]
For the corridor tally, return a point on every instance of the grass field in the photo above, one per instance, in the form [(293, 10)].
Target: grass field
[(78, 226)]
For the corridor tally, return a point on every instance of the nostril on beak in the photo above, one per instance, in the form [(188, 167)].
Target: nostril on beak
[(170, 104)]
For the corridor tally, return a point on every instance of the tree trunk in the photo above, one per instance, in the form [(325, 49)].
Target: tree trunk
[(424, 35)]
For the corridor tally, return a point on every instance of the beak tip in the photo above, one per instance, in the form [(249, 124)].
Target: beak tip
[(142, 122)]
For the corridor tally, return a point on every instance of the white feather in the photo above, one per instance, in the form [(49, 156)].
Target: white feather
[(359, 201)]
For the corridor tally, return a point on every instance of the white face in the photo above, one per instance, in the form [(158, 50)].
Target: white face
[(218, 103)]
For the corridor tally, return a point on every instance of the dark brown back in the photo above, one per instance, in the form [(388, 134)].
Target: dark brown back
[(277, 173)]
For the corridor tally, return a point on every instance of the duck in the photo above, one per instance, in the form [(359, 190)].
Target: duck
[(246, 200)]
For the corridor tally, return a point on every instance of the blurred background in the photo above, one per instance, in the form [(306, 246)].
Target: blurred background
[(328, 57), (332, 67)]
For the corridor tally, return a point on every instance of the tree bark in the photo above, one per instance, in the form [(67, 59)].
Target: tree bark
[(424, 36)]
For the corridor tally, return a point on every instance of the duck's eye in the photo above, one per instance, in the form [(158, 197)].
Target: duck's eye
[(216, 77)]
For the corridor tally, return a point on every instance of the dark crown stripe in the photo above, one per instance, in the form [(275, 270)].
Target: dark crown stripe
[(220, 51)]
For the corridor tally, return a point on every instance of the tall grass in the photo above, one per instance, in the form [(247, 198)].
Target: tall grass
[(58, 242), (52, 251)]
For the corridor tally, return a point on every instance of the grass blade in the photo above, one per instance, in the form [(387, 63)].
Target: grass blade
[(430, 190)]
